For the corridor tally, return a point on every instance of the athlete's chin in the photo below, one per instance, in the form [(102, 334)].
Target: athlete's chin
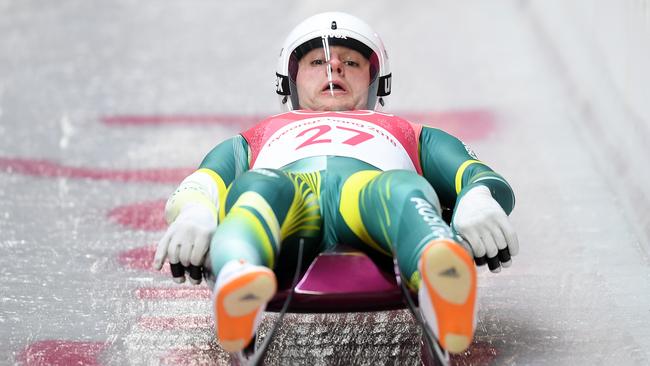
[(336, 105)]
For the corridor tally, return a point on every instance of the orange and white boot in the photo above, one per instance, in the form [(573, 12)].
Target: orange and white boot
[(447, 293), (239, 298)]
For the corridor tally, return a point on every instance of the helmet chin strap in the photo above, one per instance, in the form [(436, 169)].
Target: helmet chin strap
[(328, 58)]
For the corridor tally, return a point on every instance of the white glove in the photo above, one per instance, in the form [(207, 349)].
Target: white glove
[(481, 221), (187, 241)]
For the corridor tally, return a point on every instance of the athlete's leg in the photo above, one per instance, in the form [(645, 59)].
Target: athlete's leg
[(398, 212), (264, 210)]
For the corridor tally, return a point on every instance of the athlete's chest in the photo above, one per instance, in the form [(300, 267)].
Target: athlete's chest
[(385, 141)]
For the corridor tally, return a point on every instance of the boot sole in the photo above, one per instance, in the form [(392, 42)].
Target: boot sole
[(449, 275), (237, 305)]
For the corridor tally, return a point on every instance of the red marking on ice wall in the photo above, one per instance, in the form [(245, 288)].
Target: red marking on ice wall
[(467, 125), (173, 293), (141, 259), (146, 216), (479, 353), (140, 120), (50, 169), (60, 352), (472, 124), (175, 323)]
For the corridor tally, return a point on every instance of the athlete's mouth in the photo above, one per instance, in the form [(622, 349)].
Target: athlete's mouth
[(333, 87)]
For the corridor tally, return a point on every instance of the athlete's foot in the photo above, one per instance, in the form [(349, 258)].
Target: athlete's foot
[(240, 296), (447, 293)]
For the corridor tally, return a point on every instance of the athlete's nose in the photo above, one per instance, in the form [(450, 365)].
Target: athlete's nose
[(337, 65)]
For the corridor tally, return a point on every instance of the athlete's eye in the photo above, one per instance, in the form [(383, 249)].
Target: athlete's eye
[(351, 63), (317, 62)]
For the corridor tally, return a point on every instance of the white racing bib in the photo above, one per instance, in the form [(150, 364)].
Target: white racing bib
[(333, 135)]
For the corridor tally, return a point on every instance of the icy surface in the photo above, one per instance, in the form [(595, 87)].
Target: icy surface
[(566, 84)]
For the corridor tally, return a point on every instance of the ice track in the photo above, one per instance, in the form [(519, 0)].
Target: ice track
[(105, 106)]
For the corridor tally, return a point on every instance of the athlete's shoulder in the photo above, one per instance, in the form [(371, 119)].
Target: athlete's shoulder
[(435, 131)]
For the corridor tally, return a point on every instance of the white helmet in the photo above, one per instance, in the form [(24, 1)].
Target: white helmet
[(337, 29)]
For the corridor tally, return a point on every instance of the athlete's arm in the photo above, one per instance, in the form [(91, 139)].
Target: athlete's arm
[(481, 198), (193, 209)]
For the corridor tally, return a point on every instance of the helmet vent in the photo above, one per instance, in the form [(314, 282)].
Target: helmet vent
[(333, 25)]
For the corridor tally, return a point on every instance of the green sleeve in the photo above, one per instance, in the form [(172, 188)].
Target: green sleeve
[(229, 159), (452, 169)]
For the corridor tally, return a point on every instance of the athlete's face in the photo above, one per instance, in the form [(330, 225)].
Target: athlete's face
[(350, 80)]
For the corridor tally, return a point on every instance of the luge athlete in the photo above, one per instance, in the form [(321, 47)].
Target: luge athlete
[(333, 169)]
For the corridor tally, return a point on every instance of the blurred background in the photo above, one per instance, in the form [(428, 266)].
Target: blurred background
[(106, 105)]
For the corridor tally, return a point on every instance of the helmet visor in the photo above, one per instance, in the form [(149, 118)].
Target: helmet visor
[(330, 73)]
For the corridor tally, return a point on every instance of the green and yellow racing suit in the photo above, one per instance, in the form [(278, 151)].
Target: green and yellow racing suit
[(370, 180)]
